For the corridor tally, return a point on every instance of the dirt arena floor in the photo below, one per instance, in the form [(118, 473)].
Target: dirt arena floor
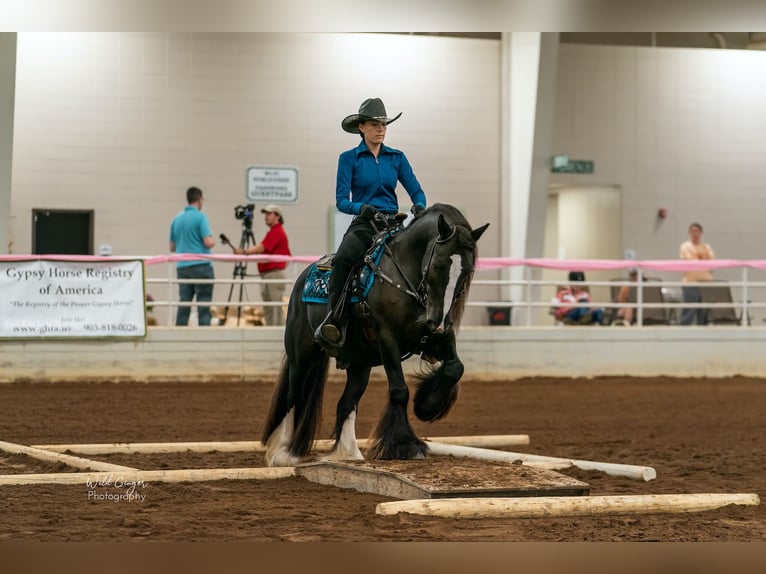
[(700, 435)]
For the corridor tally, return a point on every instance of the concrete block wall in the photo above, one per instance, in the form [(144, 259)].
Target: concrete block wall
[(123, 123), (674, 128)]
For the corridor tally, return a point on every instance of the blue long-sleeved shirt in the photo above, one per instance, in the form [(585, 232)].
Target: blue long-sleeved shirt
[(363, 179)]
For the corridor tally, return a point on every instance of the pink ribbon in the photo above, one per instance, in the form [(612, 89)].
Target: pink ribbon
[(483, 264)]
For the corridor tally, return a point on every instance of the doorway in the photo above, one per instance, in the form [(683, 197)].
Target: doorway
[(583, 222), (62, 232)]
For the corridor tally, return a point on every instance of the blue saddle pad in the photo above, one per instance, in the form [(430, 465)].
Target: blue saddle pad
[(316, 287)]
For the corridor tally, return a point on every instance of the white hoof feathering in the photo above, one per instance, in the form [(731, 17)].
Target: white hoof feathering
[(346, 448), (278, 443)]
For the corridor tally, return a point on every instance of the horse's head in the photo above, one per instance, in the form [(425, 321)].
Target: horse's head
[(453, 243)]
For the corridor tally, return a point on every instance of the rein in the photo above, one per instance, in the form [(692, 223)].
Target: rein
[(414, 292), (417, 293)]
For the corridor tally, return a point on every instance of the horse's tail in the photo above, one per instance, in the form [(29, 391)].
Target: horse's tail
[(308, 405), (437, 390), (305, 397), (279, 402)]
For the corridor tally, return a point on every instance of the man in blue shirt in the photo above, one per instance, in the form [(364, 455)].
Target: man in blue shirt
[(365, 187), (190, 233)]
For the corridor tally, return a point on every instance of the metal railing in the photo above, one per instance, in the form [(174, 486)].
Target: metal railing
[(233, 302), (742, 307), (528, 291)]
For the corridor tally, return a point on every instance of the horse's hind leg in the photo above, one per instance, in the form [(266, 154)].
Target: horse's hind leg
[(278, 444), (296, 406), (288, 409), (346, 447)]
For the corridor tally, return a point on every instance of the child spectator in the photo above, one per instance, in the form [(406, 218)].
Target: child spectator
[(576, 293)]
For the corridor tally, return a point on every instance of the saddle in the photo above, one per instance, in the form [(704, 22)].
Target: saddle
[(316, 287)]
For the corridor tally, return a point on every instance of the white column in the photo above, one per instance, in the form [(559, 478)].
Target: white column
[(7, 96), (528, 76)]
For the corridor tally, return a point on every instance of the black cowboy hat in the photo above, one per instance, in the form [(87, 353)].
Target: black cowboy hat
[(371, 109)]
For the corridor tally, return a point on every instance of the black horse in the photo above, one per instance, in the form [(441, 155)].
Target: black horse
[(403, 314)]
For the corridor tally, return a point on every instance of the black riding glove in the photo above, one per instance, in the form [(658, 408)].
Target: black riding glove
[(368, 211), (417, 210)]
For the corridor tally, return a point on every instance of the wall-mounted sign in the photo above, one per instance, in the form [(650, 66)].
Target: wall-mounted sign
[(267, 184), (560, 161), (562, 164)]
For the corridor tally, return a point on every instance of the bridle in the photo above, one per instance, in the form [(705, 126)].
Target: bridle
[(431, 252), (418, 293)]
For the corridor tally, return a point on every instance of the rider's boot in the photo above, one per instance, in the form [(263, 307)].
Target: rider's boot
[(331, 332)]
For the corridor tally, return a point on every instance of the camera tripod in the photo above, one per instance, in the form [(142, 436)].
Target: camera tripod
[(240, 268)]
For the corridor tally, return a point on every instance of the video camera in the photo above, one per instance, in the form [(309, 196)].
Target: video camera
[(245, 213)]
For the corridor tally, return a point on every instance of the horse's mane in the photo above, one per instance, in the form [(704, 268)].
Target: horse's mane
[(451, 213), (453, 216)]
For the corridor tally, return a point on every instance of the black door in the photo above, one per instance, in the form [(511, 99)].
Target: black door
[(62, 232)]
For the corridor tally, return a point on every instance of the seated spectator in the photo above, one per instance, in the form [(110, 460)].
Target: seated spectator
[(576, 293), (626, 315)]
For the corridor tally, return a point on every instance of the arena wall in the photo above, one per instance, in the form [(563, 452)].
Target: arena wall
[(673, 127), (225, 354), (122, 123)]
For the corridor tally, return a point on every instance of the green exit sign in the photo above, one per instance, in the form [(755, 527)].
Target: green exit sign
[(562, 164)]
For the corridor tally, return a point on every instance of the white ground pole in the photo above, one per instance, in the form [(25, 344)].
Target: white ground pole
[(566, 505), (149, 476), (74, 461), (645, 473), (487, 441)]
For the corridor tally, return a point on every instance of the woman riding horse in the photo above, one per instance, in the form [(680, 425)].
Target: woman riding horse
[(407, 310), (366, 188)]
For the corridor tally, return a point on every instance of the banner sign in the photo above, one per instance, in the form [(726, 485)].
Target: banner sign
[(72, 299)]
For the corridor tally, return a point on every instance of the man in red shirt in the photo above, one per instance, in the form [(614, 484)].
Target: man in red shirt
[(274, 243)]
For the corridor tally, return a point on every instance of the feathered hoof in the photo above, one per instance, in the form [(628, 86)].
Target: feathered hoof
[(339, 456), (281, 457), (414, 449), (433, 403)]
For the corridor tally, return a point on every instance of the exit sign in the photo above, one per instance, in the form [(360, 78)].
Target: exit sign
[(562, 164)]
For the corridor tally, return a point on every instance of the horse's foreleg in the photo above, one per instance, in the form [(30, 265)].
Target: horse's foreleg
[(452, 365), (394, 437), (346, 447), (438, 388)]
